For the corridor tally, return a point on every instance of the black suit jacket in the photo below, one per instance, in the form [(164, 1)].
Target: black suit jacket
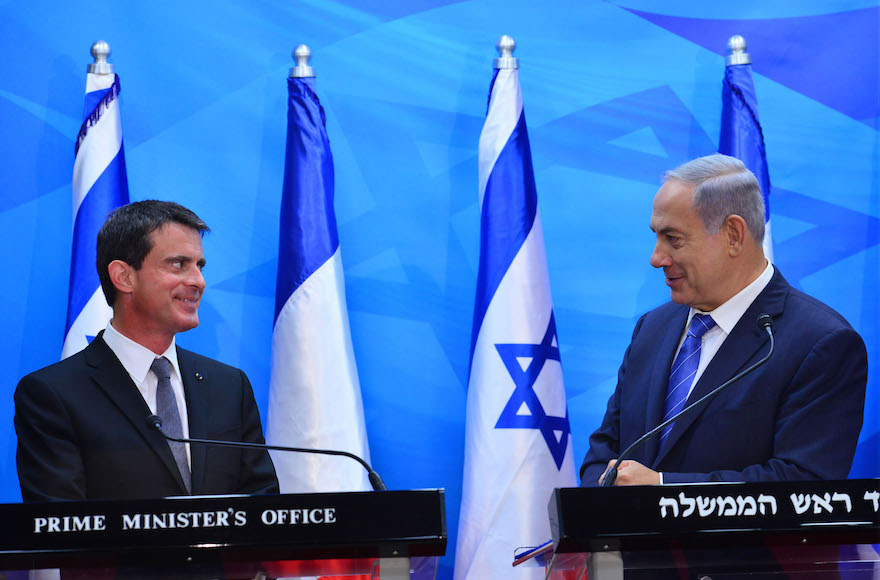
[(82, 432), (797, 417)]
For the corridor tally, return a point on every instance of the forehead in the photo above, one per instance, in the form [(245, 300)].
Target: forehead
[(174, 238), (673, 206)]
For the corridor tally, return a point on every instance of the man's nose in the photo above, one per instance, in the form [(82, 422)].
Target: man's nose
[(660, 258), (197, 279)]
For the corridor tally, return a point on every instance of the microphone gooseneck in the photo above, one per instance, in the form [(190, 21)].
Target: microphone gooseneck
[(766, 323), (155, 422)]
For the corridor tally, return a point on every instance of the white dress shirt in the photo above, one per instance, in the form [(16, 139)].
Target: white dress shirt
[(137, 360)]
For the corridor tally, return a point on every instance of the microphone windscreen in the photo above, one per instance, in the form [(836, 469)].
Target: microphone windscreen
[(154, 421), (764, 322)]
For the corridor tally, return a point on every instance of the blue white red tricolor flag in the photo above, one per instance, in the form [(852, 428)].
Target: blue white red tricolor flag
[(518, 439), (99, 186), (314, 393), (742, 136)]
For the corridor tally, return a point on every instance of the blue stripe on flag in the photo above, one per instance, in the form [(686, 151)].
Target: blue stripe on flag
[(92, 100), (741, 133), (109, 191), (308, 224), (509, 207)]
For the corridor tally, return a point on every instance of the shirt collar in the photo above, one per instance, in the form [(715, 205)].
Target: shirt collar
[(136, 358), (728, 314)]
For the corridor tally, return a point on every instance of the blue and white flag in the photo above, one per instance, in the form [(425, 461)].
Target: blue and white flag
[(99, 186), (741, 134), (314, 393), (518, 439)]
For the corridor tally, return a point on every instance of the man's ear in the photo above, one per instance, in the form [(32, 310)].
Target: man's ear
[(735, 232), (121, 275)]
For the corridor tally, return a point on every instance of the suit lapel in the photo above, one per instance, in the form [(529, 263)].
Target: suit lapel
[(739, 348), (112, 378), (192, 376), (665, 348)]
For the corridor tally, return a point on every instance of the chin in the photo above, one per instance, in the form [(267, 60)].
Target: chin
[(678, 298), (187, 325)]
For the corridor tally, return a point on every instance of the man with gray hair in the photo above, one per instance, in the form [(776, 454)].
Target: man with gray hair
[(797, 417)]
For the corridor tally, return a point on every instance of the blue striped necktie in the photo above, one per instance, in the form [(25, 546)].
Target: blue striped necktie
[(683, 370), (166, 408)]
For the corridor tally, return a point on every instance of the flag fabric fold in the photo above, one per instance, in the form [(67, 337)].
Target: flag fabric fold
[(742, 136), (314, 393), (517, 439), (100, 185)]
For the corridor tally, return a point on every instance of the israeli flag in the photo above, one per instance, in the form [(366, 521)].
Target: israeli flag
[(518, 439), (314, 393), (741, 133), (100, 185)]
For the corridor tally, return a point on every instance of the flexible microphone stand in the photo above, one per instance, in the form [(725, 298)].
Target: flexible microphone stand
[(155, 422)]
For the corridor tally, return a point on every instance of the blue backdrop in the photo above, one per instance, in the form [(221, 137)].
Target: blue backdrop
[(615, 92)]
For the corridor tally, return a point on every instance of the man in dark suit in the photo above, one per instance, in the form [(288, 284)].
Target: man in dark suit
[(81, 423), (797, 417)]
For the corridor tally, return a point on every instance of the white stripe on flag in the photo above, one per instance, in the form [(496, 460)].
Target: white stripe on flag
[(314, 394)]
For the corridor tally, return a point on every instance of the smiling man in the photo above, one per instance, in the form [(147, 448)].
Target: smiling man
[(81, 423), (797, 417)]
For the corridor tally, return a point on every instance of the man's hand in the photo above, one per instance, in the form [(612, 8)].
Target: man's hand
[(632, 473)]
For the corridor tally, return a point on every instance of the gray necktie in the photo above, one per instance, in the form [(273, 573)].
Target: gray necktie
[(166, 408)]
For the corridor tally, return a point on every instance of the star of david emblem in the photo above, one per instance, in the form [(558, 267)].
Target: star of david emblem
[(524, 409)]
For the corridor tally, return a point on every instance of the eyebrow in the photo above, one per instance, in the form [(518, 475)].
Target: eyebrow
[(666, 230)]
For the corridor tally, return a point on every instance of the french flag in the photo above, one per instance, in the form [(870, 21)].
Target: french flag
[(314, 392)]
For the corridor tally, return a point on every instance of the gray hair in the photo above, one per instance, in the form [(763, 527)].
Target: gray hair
[(723, 186)]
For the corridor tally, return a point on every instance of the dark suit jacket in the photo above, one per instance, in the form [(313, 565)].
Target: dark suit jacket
[(797, 417), (82, 432)]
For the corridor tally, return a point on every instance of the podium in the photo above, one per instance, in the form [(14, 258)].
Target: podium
[(395, 534), (719, 531)]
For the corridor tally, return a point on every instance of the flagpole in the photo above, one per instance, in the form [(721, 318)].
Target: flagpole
[(736, 44), (100, 51), (303, 70)]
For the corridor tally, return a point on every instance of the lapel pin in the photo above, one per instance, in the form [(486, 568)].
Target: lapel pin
[(199, 376)]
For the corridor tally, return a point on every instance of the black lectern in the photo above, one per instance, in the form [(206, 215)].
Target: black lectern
[(230, 536), (781, 529)]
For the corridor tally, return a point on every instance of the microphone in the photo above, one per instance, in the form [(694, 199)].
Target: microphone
[(155, 422), (765, 322)]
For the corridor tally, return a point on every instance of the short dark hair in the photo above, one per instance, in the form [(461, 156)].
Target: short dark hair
[(125, 235)]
